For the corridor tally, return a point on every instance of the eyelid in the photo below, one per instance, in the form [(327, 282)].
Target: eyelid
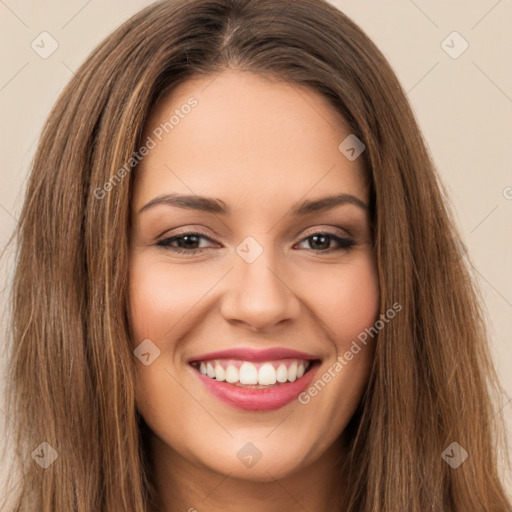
[(185, 231), (328, 230), (192, 229)]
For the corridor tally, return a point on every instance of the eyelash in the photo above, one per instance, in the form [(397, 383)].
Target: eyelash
[(346, 244)]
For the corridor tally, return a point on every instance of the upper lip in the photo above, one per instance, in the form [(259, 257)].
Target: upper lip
[(256, 356)]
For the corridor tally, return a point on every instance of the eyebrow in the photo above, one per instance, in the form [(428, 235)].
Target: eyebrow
[(217, 206)]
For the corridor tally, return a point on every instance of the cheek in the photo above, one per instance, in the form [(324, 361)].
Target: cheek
[(160, 298), (359, 301), (347, 300), (351, 306)]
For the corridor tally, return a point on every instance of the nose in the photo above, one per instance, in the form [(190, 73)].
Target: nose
[(260, 294)]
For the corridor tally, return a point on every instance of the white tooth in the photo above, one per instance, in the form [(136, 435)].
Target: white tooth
[(209, 370), (266, 375), (300, 370), (231, 374), (292, 371), (220, 373), (248, 373), (282, 373), (202, 368)]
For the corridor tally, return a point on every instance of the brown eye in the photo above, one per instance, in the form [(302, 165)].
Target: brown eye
[(184, 243), (321, 242)]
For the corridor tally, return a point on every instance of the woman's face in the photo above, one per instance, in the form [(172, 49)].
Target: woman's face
[(248, 277)]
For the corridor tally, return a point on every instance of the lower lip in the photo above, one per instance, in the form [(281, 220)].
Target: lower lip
[(251, 399)]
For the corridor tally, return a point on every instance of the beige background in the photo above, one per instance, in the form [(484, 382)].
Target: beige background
[(464, 107)]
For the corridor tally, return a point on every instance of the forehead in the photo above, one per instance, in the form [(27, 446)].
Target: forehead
[(246, 138)]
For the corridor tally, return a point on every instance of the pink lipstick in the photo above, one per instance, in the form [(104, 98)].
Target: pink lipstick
[(255, 380)]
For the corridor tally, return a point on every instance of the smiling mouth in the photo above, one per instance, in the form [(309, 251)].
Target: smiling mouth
[(255, 375)]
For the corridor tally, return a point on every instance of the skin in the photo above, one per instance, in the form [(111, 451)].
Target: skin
[(260, 146)]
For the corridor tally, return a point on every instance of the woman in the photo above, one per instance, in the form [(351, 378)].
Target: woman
[(238, 284)]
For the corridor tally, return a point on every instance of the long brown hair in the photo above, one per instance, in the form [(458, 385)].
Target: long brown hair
[(71, 377)]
